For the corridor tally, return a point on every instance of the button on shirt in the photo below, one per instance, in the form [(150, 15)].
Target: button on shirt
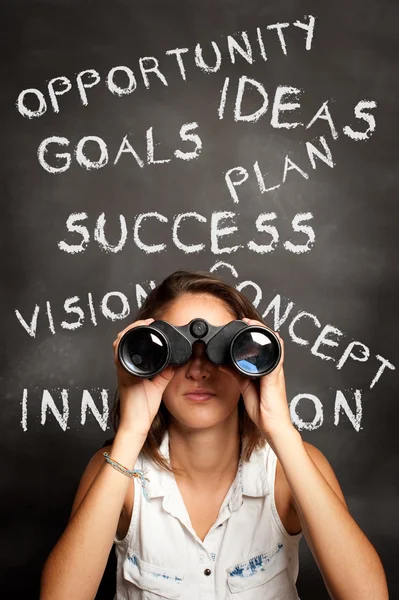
[(246, 555)]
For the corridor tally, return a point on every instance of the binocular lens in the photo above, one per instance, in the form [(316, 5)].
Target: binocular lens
[(255, 352), (144, 351)]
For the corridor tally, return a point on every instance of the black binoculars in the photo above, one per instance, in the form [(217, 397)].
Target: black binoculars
[(252, 350)]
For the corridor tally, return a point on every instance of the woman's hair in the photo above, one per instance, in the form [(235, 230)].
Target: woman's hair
[(158, 300)]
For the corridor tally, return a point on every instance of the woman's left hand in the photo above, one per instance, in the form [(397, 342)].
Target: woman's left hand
[(265, 399)]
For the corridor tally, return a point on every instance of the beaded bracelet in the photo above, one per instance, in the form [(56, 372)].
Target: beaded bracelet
[(138, 473)]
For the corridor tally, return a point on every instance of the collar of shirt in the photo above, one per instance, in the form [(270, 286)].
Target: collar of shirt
[(250, 480)]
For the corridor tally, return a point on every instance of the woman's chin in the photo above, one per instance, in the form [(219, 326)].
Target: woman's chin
[(201, 419)]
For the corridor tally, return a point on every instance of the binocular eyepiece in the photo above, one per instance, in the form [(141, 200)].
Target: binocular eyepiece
[(252, 350)]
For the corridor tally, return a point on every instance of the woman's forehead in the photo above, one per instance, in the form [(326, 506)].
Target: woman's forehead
[(191, 306)]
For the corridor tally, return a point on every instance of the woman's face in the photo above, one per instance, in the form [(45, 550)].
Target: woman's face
[(199, 373)]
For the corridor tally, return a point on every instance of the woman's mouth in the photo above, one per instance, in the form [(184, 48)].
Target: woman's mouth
[(202, 396)]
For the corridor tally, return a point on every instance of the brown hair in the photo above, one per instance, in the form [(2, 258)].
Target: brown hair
[(158, 300)]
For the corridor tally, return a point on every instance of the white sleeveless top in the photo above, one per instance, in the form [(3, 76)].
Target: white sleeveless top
[(246, 555)]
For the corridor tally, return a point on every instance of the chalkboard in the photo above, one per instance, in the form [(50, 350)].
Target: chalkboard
[(255, 140)]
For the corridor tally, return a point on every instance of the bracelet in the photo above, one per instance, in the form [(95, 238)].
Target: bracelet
[(138, 473)]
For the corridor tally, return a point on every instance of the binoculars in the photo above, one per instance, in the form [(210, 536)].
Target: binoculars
[(146, 350)]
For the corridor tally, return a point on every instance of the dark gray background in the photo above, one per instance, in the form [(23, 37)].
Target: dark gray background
[(349, 279)]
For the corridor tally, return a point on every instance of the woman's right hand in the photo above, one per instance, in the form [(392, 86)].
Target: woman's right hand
[(140, 398)]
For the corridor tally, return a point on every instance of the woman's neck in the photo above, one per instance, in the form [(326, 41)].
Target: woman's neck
[(205, 456)]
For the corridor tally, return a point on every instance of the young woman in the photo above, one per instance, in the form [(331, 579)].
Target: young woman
[(230, 486)]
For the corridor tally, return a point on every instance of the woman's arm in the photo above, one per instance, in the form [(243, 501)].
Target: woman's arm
[(349, 564), (75, 567), (76, 564)]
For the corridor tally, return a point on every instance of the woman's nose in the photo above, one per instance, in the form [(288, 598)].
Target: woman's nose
[(199, 366)]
